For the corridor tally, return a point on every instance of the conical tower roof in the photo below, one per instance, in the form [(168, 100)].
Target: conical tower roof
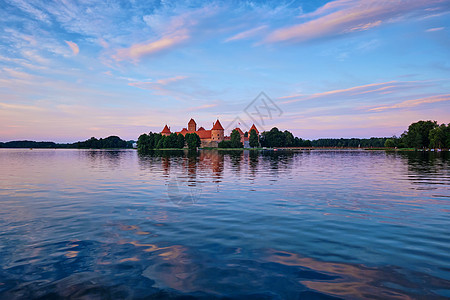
[(217, 126), (254, 127), (166, 129)]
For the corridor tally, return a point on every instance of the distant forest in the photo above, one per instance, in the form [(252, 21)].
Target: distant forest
[(111, 142), (421, 134)]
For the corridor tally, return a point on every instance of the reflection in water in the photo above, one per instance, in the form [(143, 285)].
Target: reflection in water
[(268, 225), (111, 158), (349, 281)]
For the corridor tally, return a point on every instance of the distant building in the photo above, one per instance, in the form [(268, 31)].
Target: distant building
[(245, 139), (209, 138), (166, 131)]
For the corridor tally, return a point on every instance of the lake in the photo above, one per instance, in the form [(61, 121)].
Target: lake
[(94, 224)]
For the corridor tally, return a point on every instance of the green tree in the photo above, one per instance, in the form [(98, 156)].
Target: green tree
[(161, 142), (439, 136), (390, 143), (447, 137), (171, 141), (192, 140), (273, 138), (157, 137), (253, 139), (143, 143), (288, 139), (151, 140), (224, 144), (418, 134), (235, 139), (180, 141)]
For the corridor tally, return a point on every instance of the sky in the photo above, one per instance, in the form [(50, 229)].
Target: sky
[(70, 70)]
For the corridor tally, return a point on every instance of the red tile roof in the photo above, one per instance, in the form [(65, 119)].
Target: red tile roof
[(204, 134), (217, 126), (253, 127), (166, 129), (201, 128), (239, 130), (191, 121)]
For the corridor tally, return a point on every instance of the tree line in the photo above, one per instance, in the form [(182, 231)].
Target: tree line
[(92, 143), (373, 142), (277, 138), (147, 142), (106, 143), (422, 134)]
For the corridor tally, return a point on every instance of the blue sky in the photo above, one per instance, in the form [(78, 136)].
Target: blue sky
[(70, 70)]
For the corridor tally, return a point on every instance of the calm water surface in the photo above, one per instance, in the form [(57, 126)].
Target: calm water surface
[(85, 224)]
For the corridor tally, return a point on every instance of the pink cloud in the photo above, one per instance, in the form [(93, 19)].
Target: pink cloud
[(171, 31), (356, 90), (435, 29), (413, 103), (201, 107), (246, 34), (158, 84), (344, 16), (74, 47), (137, 51)]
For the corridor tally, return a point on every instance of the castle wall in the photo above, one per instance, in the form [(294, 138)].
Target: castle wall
[(209, 143)]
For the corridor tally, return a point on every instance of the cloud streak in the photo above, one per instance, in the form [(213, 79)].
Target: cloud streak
[(345, 16), (413, 103), (246, 34), (373, 89), (177, 30), (137, 51), (435, 29), (160, 84)]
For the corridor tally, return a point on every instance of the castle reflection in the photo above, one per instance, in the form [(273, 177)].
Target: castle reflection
[(191, 164)]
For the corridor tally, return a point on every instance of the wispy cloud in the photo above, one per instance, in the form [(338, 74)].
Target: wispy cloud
[(246, 34), (74, 47), (413, 103), (159, 84), (166, 86), (137, 51), (177, 30), (17, 74), (20, 107), (373, 89), (31, 10), (435, 29), (345, 16), (202, 107)]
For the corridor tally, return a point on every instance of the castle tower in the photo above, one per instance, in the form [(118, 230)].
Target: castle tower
[(254, 127), (166, 131), (192, 126), (217, 132)]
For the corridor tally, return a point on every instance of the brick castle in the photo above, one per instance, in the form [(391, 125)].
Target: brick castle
[(212, 137)]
